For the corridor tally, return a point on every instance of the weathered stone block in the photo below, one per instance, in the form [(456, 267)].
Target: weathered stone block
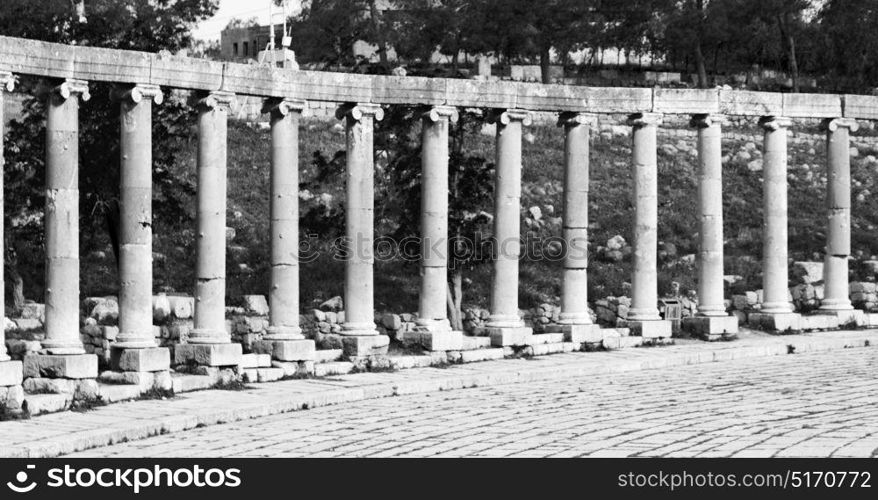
[(711, 327), (818, 322), (651, 329), (255, 304), (545, 338), (10, 373), (152, 359), (441, 341), (848, 317), (469, 343), (50, 385), (365, 345), (208, 354), (503, 337), (143, 379), (780, 322), (287, 350), (12, 397), (688, 101), (746, 102), (269, 374), (578, 334), (77, 366)]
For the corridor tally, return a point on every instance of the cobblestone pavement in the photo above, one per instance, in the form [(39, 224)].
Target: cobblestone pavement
[(816, 404)]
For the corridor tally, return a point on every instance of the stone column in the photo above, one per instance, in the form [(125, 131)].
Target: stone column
[(643, 317), (135, 348), (284, 339), (209, 341), (359, 334), (62, 355), (433, 326), (505, 326), (11, 394), (712, 322), (838, 206), (575, 321), (777, 310)]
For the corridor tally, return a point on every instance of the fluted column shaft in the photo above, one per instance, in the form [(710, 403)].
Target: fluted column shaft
[(507, 218), (838, 207), (359, 297), (62, 218), (574, 289), (284, 294), (210, 268), (432, 303), (774, 235), (710, 214), (644, 283), (135, 207)]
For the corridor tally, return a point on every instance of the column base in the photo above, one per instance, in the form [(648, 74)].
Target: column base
[(651, 329), (775, 321), (447, 340), (205, 336), (509, 336), (287, 350), (154, 359), (228, 354), (846, 317), (71, 366), (365, 345), (579, 334), (712, 327), (283, 333)]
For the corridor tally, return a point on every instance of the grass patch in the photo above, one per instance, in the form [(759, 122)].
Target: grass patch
[(231, 385), (157, 393), (87, 404)]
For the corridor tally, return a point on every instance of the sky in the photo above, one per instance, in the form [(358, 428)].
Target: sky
[(230, 9)]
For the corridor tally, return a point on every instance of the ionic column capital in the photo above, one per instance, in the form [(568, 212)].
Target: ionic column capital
[(645, 120), (215, 100), (832, 124), (507, 116), (435, 113), (574, 119), (284, 106), (136, 93), (706, 120), (773, 123), (356, 111), (69, 87), (7, 81)]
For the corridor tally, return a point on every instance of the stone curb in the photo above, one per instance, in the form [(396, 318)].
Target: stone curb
[(539, 369)]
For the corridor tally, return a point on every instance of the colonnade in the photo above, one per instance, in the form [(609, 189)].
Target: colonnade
[(210, 344)]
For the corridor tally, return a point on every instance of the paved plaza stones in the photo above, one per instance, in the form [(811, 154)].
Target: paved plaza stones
[(808, 405)]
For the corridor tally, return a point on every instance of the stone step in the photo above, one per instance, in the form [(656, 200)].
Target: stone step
[(184, 382), (470, 343), (612, 343), (553, 348), (253, 360), (406, 362), (818, 322), (327, 355), (870, 320), (47, 403), (333, 368), (546, 338), (479, 355)]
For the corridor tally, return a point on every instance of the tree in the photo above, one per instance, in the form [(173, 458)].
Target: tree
[(326, 30), (848, 51), (147, 25)]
